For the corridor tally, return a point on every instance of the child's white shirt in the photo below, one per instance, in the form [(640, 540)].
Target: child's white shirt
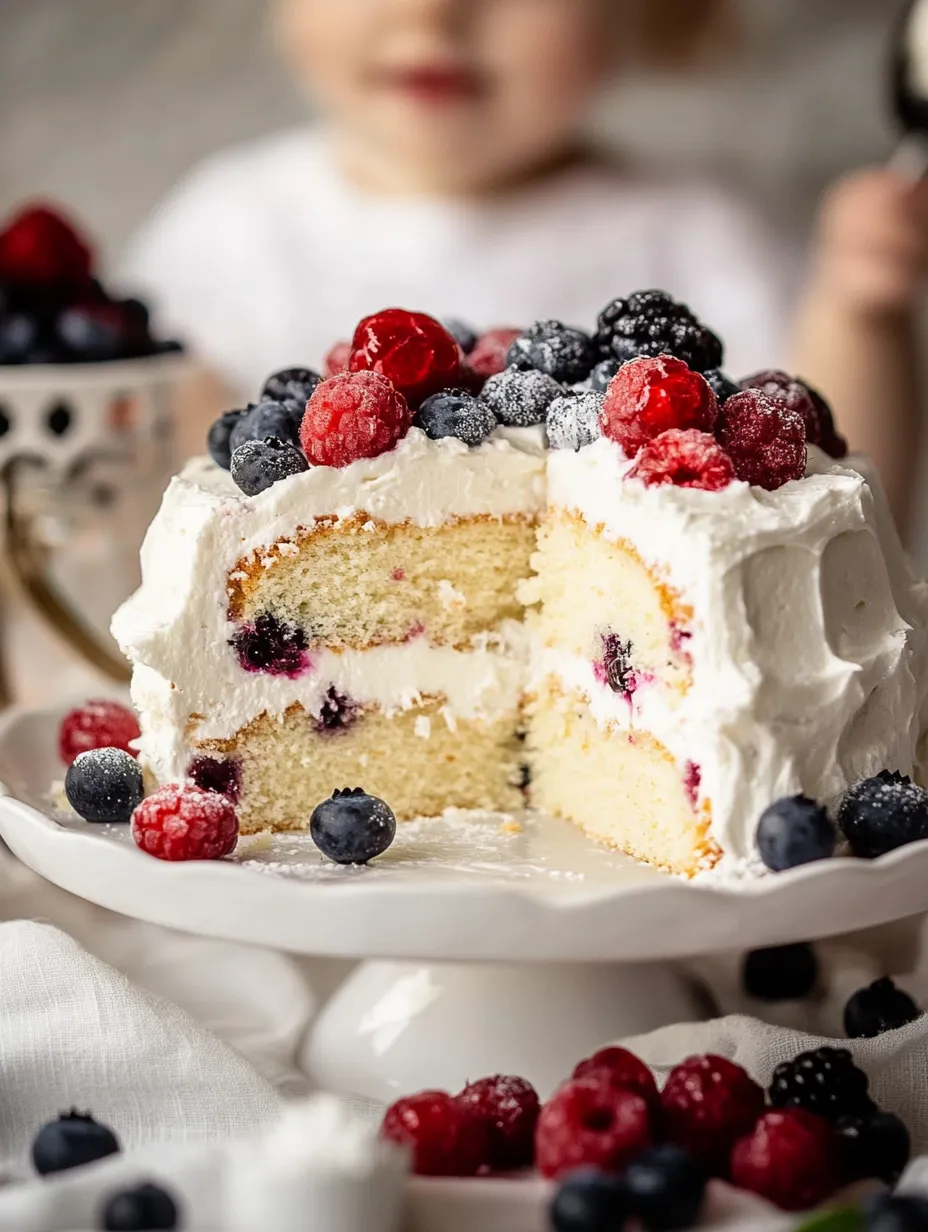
[(264, 256)]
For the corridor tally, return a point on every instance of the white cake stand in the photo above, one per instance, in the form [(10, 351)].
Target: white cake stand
[(489, 945)]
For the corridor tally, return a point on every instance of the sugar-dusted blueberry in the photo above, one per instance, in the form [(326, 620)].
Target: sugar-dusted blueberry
[(884, 812), (352, 827), (792, 831), (218, 439), (573, 420), (71, 1141), (290, 385), (104, 785), (780, 972), (603, 373), (280, 419), (144, 1208), (454, 412), (520, 398), (590, 1201), (258, 465), (464, 335), (879, 1007), (559, 350), (876, 1144), (665, 1188)]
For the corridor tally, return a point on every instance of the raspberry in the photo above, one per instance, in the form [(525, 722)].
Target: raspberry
[(509, 1108), (445, 1137), (185, 823), (708, 1103), (491, 353), (824, 1081), (412, 350), (648, 396), (792, 1158), (591, 1122), (815, 411), (625, 1070), (39, 247), (687, 459), (98, 724), (765, 438), (353, 415), (337, 358)]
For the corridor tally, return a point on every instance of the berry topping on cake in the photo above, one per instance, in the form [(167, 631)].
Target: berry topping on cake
[(520, 398), (649, 396), (590, 1122), (800, 397), (352, 827), (879, 1007), (573, 420), (73, 1140), (219, 438), (454, 412), (338, 712), (38, 247), (185, 823), (882, 813), (602, 374), (280, 419), (792, 1158), (665, 1188), (590, 1201), (445, 1138), (792, 831), (617, 670), (765, 438), (653, 323), (142, 1207), (271, 645), (780, 972), (509, 1109), (353, 415), (411, 349), (824, 1081), (104, 785), (624, 1070), (258, 465), (686, 459), (721, 385), (336, 359), (98, 724), (564, 353), (491, 352), (211, 774), (708, 1103), (464, 335), (290, 385), (876, 1144)]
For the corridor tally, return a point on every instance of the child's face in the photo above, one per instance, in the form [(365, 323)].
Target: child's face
[(456, 94)]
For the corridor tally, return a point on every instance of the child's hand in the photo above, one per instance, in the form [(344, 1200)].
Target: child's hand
[(873, 244)]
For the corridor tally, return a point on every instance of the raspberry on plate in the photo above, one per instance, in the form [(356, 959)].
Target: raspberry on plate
[(648, 396), (185, 823), (686, 459), (353, 415), (491, 352), (792, 1158), (765, 438), (708, 1103), (411, 349), (38, 247), (509, 1108), (624, 1070), (445, 1137), (590, 1122), (98, 724)]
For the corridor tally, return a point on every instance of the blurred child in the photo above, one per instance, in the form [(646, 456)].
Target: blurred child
[(449, 175)]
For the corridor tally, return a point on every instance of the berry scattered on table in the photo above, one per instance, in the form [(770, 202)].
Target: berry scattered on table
[(353, 415), (708, 1103), (519, 398), (352, 827), (280, 419), (882, 813), (815, 411), (652, 323), (454, 412), (271, 645), (336, 359), (665, 1188), (219, 438), (183, 822), (98, 724), (71, 1141), (792, 1158), (290, 385), (649, 396), (589, 1201), (624, 1070), (491, 352), (896, 1213), (765, 438), (602, 374), (591, 1122), (104, 785), (824, 1081), (685, 459), (412, 350), (780, 972), (721, 385), (258, 465), (509, 1109), (445, 1138), (559, 350), (213, 774), (144, 1208), (880, 1007), (464, 335), (876, 1144), (792, 831), (572, 420)]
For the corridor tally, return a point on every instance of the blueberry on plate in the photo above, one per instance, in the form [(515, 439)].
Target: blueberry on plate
[(218, 439), (560, 351), (665, 1188), (290, 385), (879, 1007), (352, 827), (454, 412), (71, 1141), (876, 1144), (589, 1201), (280, 419), (520, 398), (258, 465), (144, 1208), (884, 812), (792, 831), (104, 785), (780, 972)]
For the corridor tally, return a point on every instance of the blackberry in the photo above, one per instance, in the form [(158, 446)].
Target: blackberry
[(665, 1188), (104, 785), (258, 465), (352, 827), (144, 1208), (652, 323), (880, 1007), (71, 1141), (721, 385), (218, 439), (464, 335), (520, 398), (271, 645), (882, 813), (290, 385), (824, 1081), (454, 412), (573, 420), (603, 373), (780, 973), (280, 419), (564, 353), (793, 831), (875, 1145)]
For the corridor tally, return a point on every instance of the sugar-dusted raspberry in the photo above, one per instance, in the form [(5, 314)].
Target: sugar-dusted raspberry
[(509, 1108), (491, 352), (686, 459), (185, 823), (38, 247), (764, 437), (411, 349), (624, 1070), (792, 1158), (815, 411), (648, 396), (98, 724), (353, 415), (708, 1104), (590, 1122), (337, 358), (445, 1137)]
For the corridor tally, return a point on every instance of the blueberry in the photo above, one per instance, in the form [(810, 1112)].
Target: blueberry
[(780, 973), (573, 420), (665, 1189), (880, 1007), (145, 1208), (564, 353), (520, 398), (603, 373), (218, 438), (453, 412), (271, 645), (258, 465), (19, 335), (464, 335), (104, 785), (280, 419), (589, 1201), (876, 1144), (896, 1213), (290, 385), (352, 827), (721, 385), (882, 813), (92, 333), (71, 1141), (792, 831)]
